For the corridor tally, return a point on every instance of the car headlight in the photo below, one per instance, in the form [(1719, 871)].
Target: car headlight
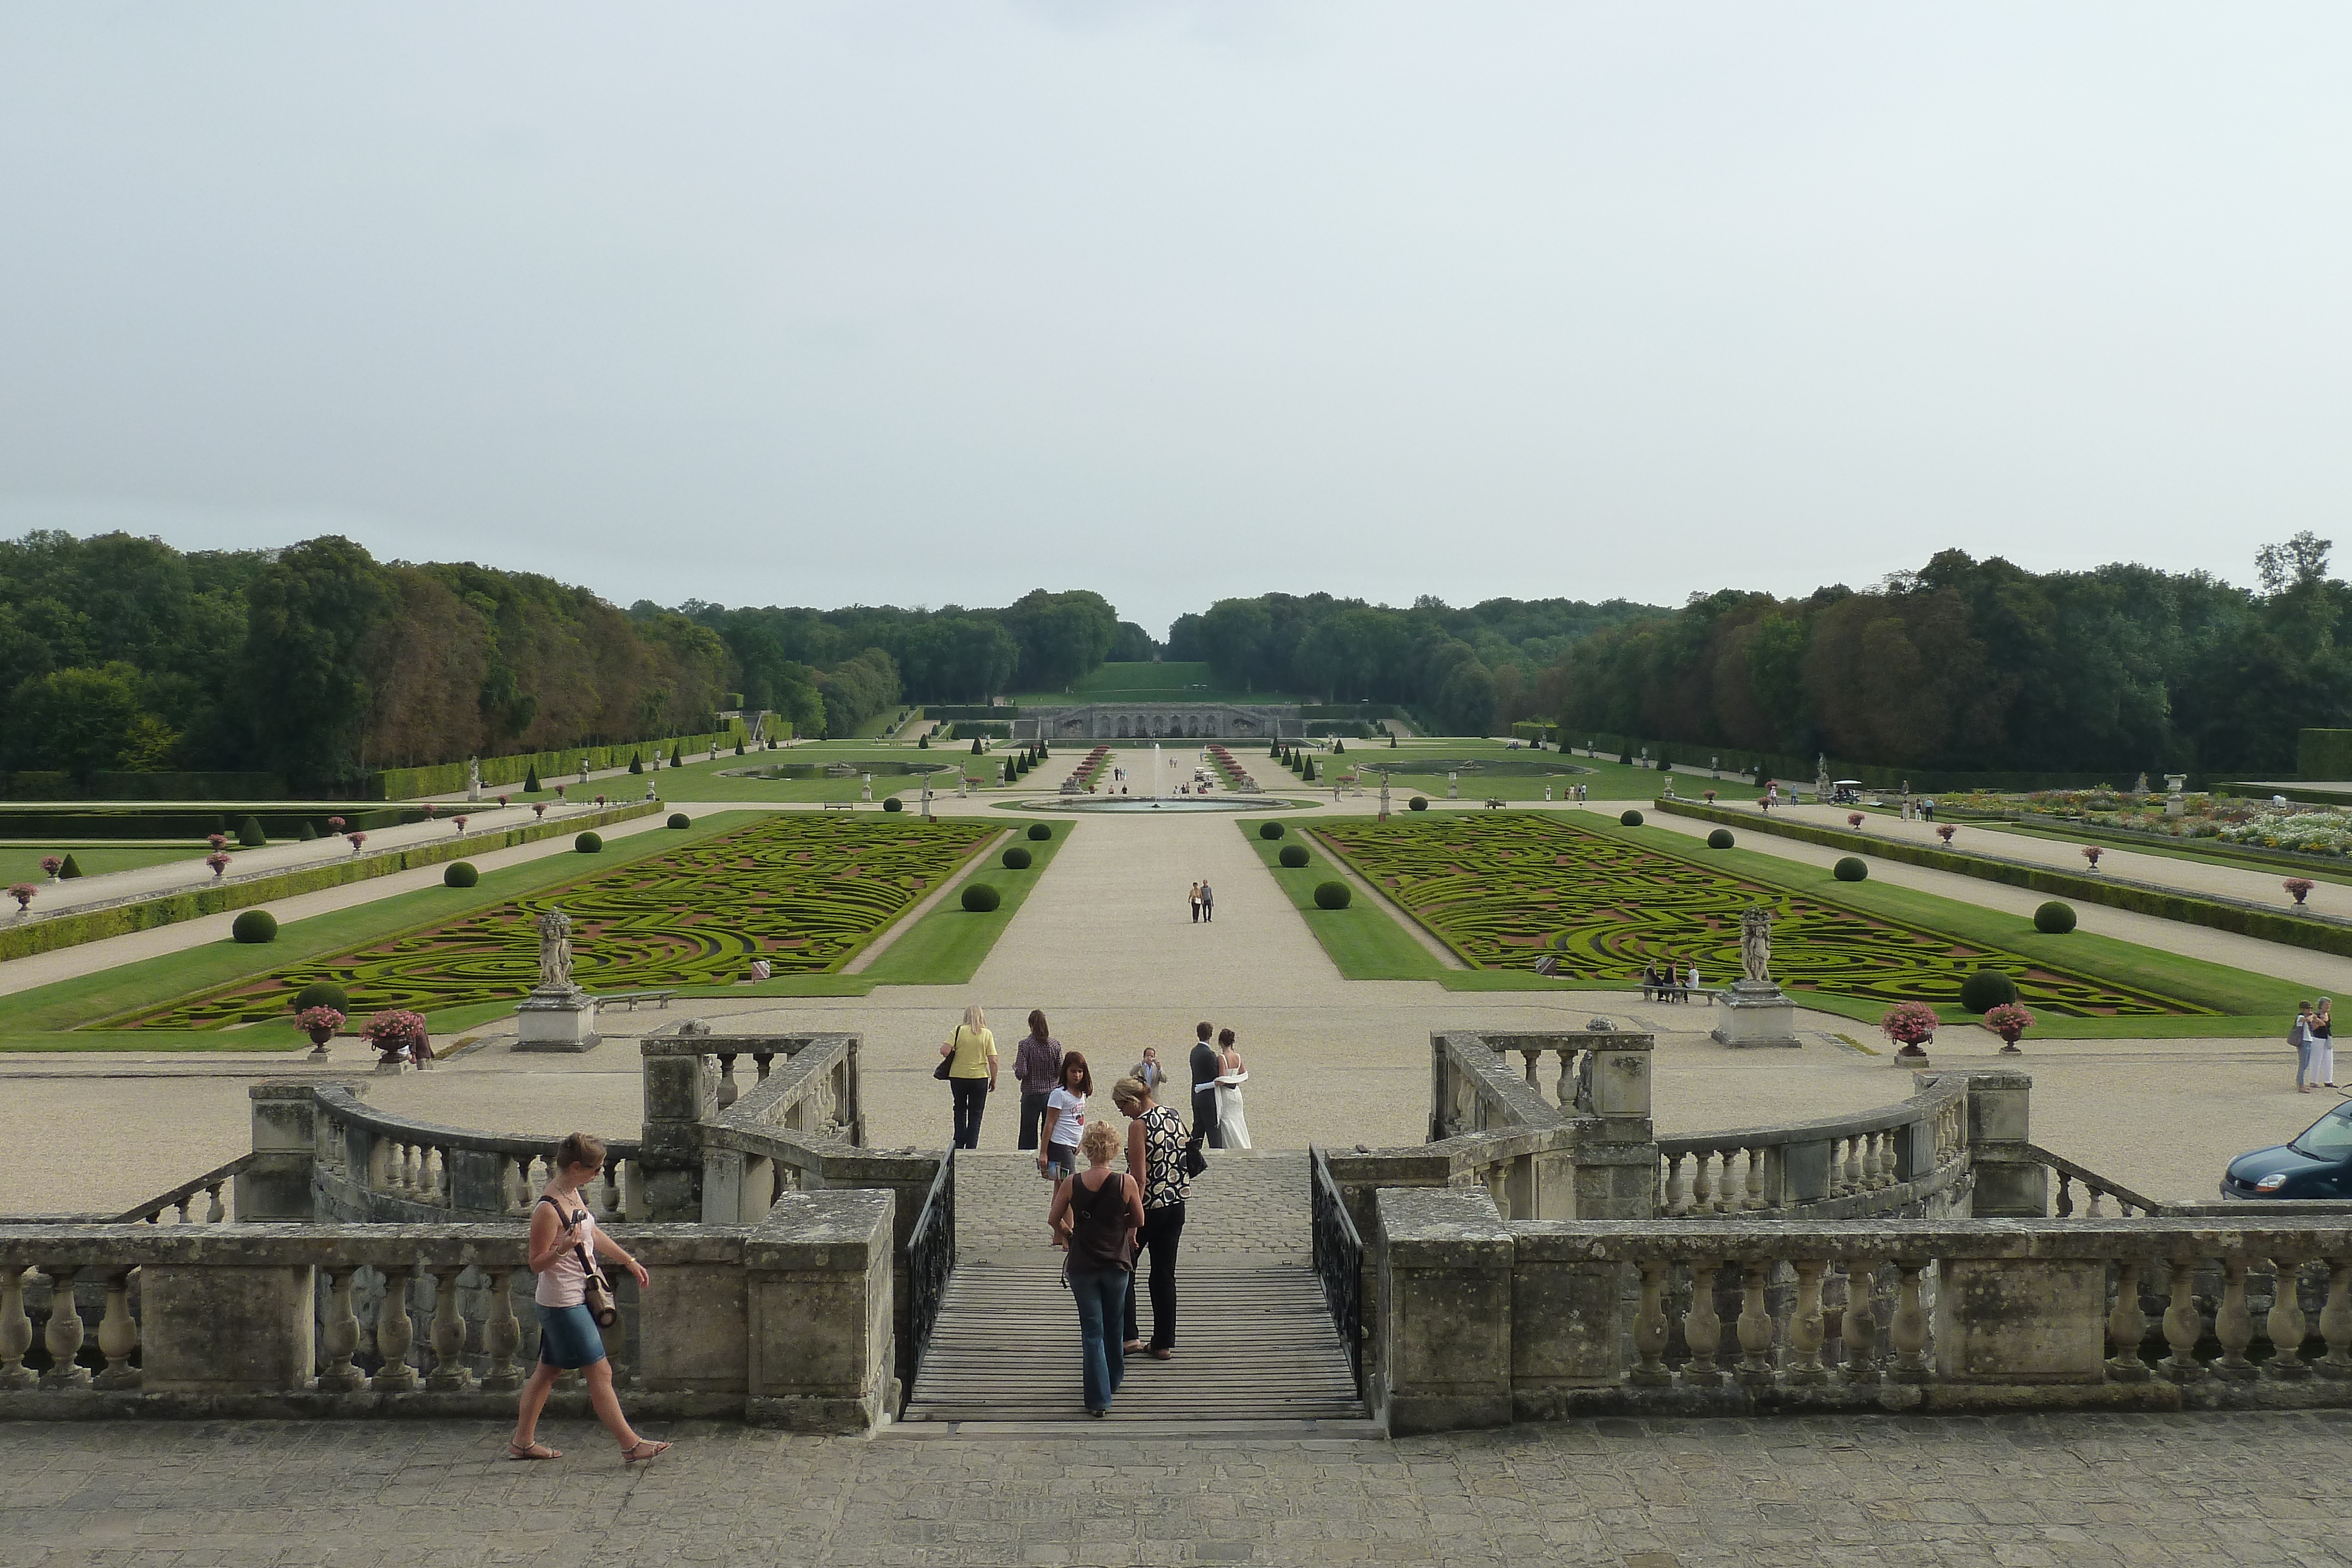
[(2271, 1182)]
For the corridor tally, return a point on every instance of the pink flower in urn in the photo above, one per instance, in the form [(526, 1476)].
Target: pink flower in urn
[(1710, 797), (217, 841), (2008, 1021), (2299, 887), (430, 811), (559, 791), (1909, 1025), (1853, 818), (459, 822), (334, 824), (22, 894), (52, 865), (2092, 852), (357, 840), (218, 862), (600, 799), (502, 799), (1945, 830), (539, 809)]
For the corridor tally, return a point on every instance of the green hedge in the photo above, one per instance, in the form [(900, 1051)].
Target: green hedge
[(978, 729), (1801, 769), (968, 710), (1367, 712), (122, 919), (2323, 753), (96, 821), (2267, 926), (406, 783), (188, 787)]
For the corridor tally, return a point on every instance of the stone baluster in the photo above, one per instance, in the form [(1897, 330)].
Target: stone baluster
[(15, 1328), (1909, 1328), (1855, 1148), (65, 1333), (2064, 1207), (1755, 1198), (1530, 1052), (1701, 1328), (180, 1204), (1564, 1091), (449, 1370), (761, 1060), (341, 1338), (2335, 1321), (395, 1335), (2184, 1325), (1805, 1328), (1650, 1327), (1755, 1324), (2233, 1325), (215, 1211), (2097, 1209), (501, 1334), (1677, 1201), (2286, 1326), (2127, 1326), (612, 1188), (118, 1333), (1725, 1193), (1858, 1326), (726, 1089)]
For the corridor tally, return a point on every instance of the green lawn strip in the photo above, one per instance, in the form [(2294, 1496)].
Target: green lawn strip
[(947, 946), (131, 987), (1363, 939), (22, 862), (1164, 682), (2191, 850), (1415, 773), (706, 780)]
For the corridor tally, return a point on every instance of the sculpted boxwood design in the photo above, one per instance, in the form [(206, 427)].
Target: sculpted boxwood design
[(803, 891), (1503, 889)]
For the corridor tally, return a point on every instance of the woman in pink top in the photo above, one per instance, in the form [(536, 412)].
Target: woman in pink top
[(563, 1236)]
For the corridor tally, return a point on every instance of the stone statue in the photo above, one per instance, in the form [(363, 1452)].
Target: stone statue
[(1755, 946), (554, 950), (473, 778)]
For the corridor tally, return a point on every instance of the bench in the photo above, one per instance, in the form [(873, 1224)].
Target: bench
[(840, 805), (634, 997), (1494, 802)]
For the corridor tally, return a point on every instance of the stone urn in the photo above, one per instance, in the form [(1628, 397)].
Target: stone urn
[(320, 1035), (2009, 1041), (1911, 1052)]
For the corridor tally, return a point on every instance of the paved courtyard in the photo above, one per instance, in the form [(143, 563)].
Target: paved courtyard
[(2016, 1492)]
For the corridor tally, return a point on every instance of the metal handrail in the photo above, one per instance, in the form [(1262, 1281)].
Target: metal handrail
[(931, 1259), (1338, 1260)]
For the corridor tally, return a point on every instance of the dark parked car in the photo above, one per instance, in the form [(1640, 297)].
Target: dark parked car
[(2316, 1163)]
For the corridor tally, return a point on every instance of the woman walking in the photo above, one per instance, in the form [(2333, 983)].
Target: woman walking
[(1155, 1158), (1066, 1116), (1036, 1068), (1195, 897), (1230, 1121), (563, 1239), (970, 1053), (1103, 1210)]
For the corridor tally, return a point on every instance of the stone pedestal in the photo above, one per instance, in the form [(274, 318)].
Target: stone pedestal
[(1756, 1014), (562, 1019)]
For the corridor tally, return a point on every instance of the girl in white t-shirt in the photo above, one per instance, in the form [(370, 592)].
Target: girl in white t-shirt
[(1066, 1116)]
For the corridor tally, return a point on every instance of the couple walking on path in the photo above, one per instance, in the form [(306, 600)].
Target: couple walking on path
[(1204, 902), (2313, 1039)]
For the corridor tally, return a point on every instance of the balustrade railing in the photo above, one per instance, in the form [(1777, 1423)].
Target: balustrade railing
[(1889, 1157), (1338, 1260), (931, 1259), (2098, 1191), (372, 1165)]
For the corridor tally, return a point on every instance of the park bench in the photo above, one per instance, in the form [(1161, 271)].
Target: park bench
[(1494, 802), (634, 997), (840, 805)]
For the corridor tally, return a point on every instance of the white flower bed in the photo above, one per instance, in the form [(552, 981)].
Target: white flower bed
[(2314, 832)]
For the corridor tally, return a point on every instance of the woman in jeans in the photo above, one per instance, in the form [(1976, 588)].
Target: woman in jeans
[(970, 1051), (561, 1229), (1066, 1116), (1103, 1210), (1155, 1158), (1037, 1069)]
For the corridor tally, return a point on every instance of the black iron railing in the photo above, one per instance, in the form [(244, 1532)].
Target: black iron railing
[(930, 1256), (1338, 1261)]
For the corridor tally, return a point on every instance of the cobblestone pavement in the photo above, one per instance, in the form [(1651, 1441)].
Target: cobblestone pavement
[(2018, 1493), (1246, 1203)]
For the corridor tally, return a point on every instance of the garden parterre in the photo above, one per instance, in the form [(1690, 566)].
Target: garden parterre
[(1501, 889), (803, 891)]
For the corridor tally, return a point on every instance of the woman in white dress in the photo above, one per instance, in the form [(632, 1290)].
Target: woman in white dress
[(1230, 1123)]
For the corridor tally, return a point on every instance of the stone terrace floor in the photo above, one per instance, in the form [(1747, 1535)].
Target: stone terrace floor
[(2014, 1491)]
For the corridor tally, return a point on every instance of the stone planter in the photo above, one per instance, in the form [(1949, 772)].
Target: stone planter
[(319, 1039), (2009, 1043), (1914, 1055)]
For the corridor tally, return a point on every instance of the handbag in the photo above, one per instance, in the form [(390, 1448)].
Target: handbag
[(1195, 1161), (941, 1069), (596, 1291)]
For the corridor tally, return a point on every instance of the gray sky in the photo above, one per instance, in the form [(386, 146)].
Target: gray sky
[(932, 302)]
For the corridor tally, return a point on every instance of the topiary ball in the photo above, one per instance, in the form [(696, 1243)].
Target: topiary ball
[(461, 873), (1986, 989), (680, 819), (1333, 896), (589, 843), (1419, 803), (892, 803), (1040, 831), (2054, 919), (1851, 868), (323, 994), (1270, 830), (1293, 855), (1016, 859), (1631, 819), (254, 925), (980, 898), (1720, 840)]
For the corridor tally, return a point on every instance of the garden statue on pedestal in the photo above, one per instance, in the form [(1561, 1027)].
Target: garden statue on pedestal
[(2175, 805), (473, 778), (865, 786), (1755, 1012), (557, 1015), (583, 770), (1453, 786), (1820, 775)]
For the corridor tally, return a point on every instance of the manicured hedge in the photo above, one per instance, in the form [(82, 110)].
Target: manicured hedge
[(1016, 859), (1270, 830), (1293, 855), (1848, 868), (405, 783), (979, 897), (589, 843), (680, 819), (1040, 831), (1333, 896), (133, 822), (1720, 840), (253, 925), (461, 873)]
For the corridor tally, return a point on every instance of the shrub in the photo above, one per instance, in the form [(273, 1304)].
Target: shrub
[(680, 819), (1625, 759), (1851, 868), (1333, 896), (589, 843), (1270, 830), (1418, 803), (980, 898), (1986, 989), (1309, 774), (1720, 840), (254, 925), (249, 834), (923, 741), (323, 994), (2054, 919), (1016, 859), (636, 762), (676, 755), (460, 873), (739, 749), (975, 745), (531, 783), (72, 868), (1629, 817), (1040, 831), (1294, 855), (305, 833), (892, 803)]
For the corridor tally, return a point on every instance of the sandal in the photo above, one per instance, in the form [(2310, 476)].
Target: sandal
[(1130, 1347), (645, 1448), (532, 1450)]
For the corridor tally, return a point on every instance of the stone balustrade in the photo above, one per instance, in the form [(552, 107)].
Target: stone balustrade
[(1913, 1156), (690, 1089), (369, 1164)]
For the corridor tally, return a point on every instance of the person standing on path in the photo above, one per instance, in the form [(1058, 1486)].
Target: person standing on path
[(1206, 1067), (1233, 1072), (1193, 897), (2299, 1036), (970, 1053), (563, 1237), (1104, 1210), (1148, 1072), (1208, 901), (1066, 1114), (2323, 1041), (1155, 1158), (1036, 1068)]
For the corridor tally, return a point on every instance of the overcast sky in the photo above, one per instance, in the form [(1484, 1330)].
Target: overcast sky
[(815, 304)]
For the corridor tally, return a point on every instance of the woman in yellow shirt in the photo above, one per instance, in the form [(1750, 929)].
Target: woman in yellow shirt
[(970, 1053)]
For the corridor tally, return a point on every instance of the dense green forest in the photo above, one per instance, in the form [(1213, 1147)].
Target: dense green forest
[(1983, 665)]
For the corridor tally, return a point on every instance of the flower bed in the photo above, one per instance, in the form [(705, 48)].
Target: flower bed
[(1090, 771), (1230, 773)]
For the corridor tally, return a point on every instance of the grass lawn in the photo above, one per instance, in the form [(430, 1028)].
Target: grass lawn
[(1420, 767), (947, 946), (2207, 851), (35, 1017), (22, 862), (1363, 939), (1161, 683)]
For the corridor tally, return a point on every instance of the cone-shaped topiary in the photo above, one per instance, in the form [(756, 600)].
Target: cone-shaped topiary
[(680, 819), (980, 898), (249, 833), (1624, 760), (1309, 774), (531, 783), (975, 745), (739, 749), (305, 833), (923, 741), (1851, 868), (1720, 840), (323, 994), (1629, 819), (253, 925), (676, 755), (1986, 989), (2054, 919), (1016, 859), (1293, 855), (1333, 896), (1392, 744), (1040, 831), (1270, 830), (71, 868), (460, 873), (1338, 747), (589, 843), (636, 762)]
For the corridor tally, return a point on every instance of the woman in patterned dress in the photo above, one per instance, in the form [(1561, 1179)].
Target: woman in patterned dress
[(1155, 1158)]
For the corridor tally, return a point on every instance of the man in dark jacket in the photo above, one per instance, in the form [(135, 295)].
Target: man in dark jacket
[(1206, 1067)]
